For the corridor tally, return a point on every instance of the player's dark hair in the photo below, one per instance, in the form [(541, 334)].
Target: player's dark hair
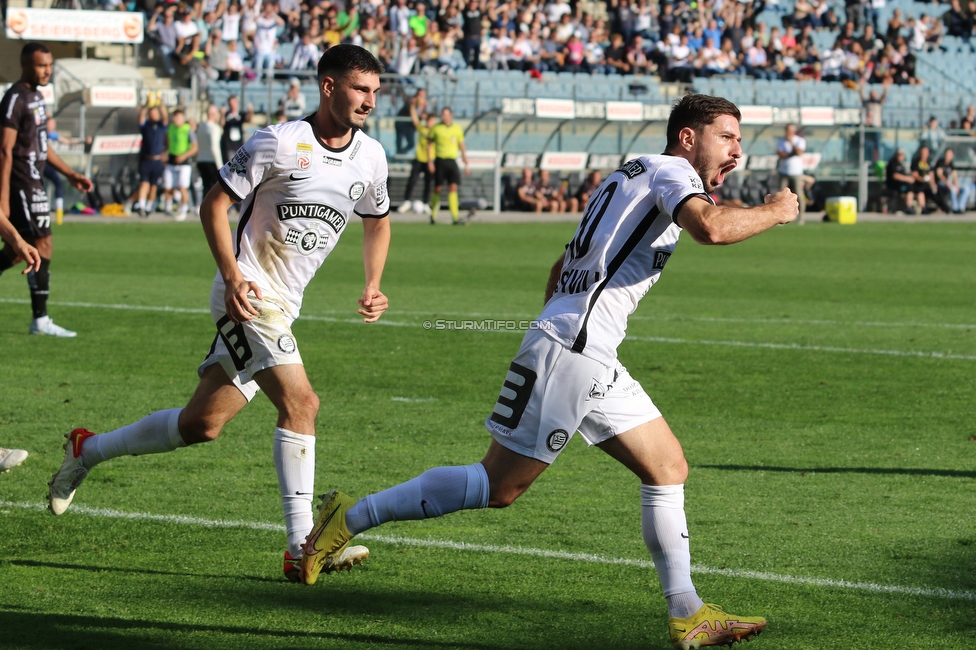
[(340, 60), (697, 111), (27, 53)]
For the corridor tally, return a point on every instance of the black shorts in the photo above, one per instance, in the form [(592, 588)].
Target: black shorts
[(151, 171), (29, 212), (446, 172), (920, 187)]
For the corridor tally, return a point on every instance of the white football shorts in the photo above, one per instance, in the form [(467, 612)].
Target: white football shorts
[(247, 348), (177, 176), (551, 392)]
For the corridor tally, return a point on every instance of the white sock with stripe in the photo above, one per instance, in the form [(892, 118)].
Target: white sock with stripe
[(666, 536), (294, 461)]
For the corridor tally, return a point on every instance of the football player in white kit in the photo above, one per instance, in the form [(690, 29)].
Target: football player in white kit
[(566, 377), (299, 184)]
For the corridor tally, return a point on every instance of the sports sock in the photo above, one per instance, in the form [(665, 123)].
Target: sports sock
[(666, 536), (435, 204), (59, 203), (153, 434), (436, 492), (294, 460), (452, 203), (40, 283)]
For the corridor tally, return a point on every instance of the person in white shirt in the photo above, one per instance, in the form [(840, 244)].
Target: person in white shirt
[(230, 23), (299, 184), (209, 156), (266, 39), (790, 150), (566, 377)]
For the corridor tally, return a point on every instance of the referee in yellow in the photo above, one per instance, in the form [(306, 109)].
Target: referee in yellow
[(445, 141)]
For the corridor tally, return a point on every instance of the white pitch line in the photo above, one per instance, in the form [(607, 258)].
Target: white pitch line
[(646, 339), (951, 594), (807, 348)]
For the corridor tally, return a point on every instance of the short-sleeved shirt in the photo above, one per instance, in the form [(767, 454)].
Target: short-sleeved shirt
[(793, 164), (24, 110), (447, 140), (179, 140), (621, 245), (297, 197), (923, 167)]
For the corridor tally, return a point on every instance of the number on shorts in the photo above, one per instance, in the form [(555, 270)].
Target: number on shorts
[(235, 341), (43, 220), (514, 396), (597, 204)]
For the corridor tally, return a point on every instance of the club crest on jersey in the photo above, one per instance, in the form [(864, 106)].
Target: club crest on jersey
[(356, 190), (329, 160), (306, 241), (335, 219), (660, 259), (239, 163), (557, 440), (633, 168), (303, 157), (286, 344)]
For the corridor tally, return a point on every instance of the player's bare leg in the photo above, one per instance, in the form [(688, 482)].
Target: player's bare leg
[(653, 453)]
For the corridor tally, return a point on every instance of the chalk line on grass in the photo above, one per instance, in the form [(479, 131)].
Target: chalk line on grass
[(918, 354), (182, 520)]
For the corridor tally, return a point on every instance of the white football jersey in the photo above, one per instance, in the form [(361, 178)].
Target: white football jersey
[(623, 241), (297, 197)]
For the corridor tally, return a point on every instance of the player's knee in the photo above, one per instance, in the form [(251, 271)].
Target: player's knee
[(503, 496), (199, 428), (302, 405)]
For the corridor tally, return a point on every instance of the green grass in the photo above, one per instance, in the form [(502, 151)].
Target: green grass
[(828, 461)]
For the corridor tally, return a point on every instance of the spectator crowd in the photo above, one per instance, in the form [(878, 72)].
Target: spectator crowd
[(680, 40)]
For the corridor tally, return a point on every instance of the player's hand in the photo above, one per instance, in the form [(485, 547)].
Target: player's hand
[(467, 169), (81, 182), (430, 166), (30, 255), (239, 309), (787, 204), (372, 305)]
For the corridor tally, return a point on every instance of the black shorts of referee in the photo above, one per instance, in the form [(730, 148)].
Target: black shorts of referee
[(446, 172)]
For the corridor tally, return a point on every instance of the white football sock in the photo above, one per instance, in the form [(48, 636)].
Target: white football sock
[(153, 434), (666, 536), (434, 493), (294, 460)]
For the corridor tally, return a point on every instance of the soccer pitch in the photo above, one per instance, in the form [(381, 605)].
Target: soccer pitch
[(821, 380)]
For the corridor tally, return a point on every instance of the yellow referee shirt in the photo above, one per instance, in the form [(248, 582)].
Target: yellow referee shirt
[(423, 138), (446, 140)]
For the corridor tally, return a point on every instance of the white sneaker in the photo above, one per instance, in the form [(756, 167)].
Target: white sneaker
[(61, 489), (418, 207), (11, 458), (404, 208), (45, 326), (426, 208)]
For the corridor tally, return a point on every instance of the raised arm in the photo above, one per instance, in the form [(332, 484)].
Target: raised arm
[(718, 224), (216, 226), (376, 245)]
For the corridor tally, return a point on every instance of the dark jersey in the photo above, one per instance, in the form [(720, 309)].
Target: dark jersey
[(23, 110)]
